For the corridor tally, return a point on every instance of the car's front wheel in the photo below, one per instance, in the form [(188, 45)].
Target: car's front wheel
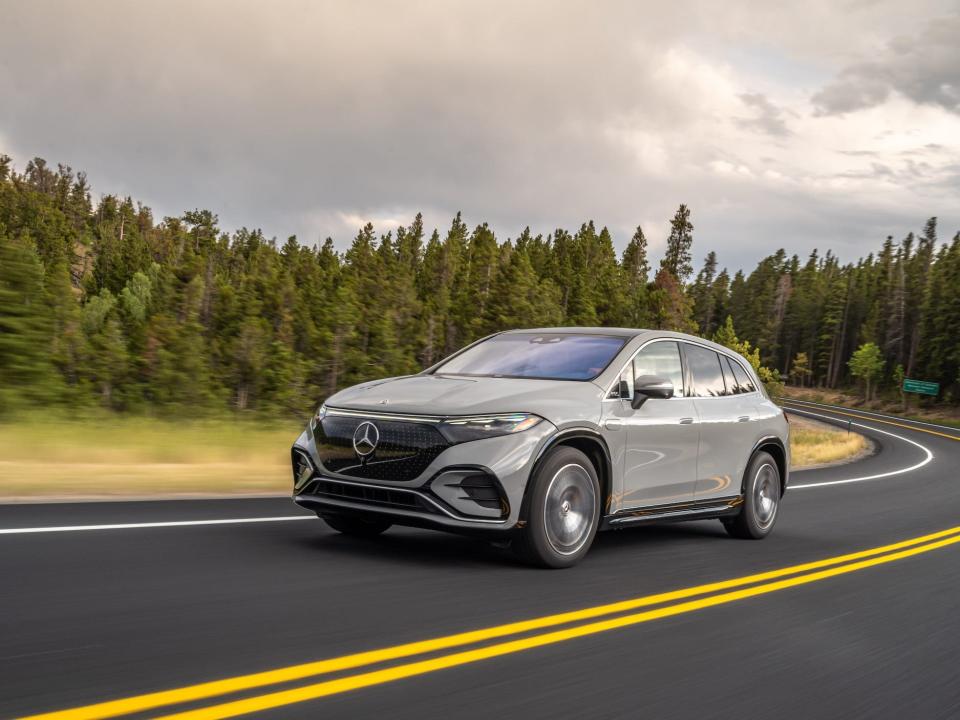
[(761, 500), (563, 510), (356, 526)]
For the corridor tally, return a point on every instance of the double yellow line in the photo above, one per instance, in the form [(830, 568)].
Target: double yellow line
[(558, 628)]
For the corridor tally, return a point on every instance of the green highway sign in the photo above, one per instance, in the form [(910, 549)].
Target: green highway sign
[(921, 386)]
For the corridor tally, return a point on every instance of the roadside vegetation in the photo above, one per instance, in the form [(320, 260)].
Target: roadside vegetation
[(143, 457), (137, 457), (891, 402), (103, 305), (813, 443)]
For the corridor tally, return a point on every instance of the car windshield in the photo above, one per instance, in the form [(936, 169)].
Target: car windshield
[(547, 356)]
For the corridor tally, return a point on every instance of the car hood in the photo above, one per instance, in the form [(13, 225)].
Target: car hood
[(561, 401)]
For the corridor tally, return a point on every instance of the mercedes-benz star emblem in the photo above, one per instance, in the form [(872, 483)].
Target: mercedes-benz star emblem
[(365, 439)]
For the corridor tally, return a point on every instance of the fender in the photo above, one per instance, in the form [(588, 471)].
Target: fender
[(785, 472), (606, 476)]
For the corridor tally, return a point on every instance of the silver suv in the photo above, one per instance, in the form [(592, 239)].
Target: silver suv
[(543, 437)]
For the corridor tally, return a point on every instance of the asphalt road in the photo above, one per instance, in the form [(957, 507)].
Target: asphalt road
[(118, 612)]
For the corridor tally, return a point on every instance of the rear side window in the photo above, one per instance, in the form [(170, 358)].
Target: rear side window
[(663, 359), (744, 383), (732, 387), (705, 370)]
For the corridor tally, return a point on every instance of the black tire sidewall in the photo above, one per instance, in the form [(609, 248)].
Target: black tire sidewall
[(534, 545), (748, 522)]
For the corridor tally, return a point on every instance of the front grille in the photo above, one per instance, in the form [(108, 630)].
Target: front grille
[(404, 450), (368, 495)]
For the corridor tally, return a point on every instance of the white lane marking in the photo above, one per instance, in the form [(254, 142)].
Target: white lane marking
[(132, 526), (949, 428), (845, 481)]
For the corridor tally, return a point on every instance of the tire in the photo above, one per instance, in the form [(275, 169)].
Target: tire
[(762, 491), (356, 526), (562, 510)]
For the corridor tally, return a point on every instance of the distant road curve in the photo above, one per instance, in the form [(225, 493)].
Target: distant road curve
[(841, 417)]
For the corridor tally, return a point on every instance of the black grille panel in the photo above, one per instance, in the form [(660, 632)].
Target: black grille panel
[(404, 451), (383, 497)]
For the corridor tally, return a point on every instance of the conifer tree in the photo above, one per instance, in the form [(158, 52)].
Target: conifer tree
[(25, 327), (635, 269), (704, 300), (678, 255), (104, 305)]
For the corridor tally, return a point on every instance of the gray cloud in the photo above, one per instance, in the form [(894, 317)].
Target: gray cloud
[(310, 117), (768, 118), (924, 67)]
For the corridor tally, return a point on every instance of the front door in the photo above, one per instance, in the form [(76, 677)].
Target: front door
[(661, 436)]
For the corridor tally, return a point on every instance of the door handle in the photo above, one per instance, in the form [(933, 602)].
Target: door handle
[(743, 418), (686, 421), (613, 424)]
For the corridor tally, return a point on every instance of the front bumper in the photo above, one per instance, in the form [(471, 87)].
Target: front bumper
[(474, 487)]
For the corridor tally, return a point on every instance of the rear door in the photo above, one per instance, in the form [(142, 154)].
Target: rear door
[(725, 428)]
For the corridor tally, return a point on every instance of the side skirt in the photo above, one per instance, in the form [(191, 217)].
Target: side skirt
[(696, 510)]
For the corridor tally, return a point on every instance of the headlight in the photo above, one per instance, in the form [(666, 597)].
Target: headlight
[(458, 430), (318, 416)]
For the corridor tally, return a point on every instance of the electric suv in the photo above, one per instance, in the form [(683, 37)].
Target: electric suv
[(543, 437)]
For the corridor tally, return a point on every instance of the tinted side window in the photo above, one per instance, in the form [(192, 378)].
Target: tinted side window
[(743, 379), (732, 387), (663, 359), (706, 372)]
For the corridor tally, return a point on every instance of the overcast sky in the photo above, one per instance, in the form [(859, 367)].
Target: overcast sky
[(823, 124)]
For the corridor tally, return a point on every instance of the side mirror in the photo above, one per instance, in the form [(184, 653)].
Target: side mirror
[(651, 386)]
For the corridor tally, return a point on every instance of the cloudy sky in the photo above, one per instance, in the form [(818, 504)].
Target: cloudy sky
[(827, 123)]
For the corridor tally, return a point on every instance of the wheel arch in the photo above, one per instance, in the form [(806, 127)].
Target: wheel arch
[(773, 446), (591, 443)]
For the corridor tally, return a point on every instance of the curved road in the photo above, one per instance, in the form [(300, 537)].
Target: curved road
[(824, 619)]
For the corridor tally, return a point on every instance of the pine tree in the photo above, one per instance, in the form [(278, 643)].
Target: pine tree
[(477, 275), (635, 269), (519, 299), (678, 256), (671, 308), (25, 328), (702, 294)]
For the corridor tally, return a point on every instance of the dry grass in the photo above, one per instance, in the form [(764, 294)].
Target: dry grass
[(140, 457), (814, 443)]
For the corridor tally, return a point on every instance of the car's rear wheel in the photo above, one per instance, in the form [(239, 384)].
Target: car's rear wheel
[(761, 500), (563, 510), (356, 526)]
